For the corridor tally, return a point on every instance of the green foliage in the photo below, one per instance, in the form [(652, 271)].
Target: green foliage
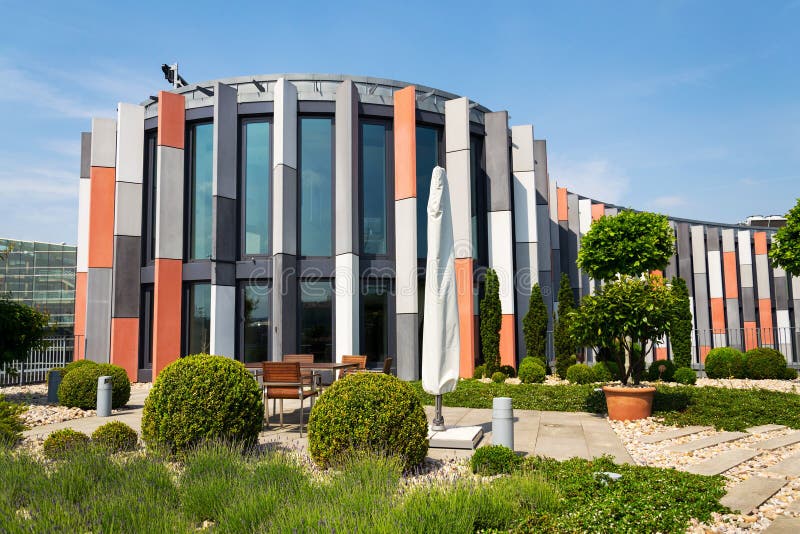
[(11, 425), (565, 348), (56, 370), (680, 328), (508, 370), (531, 371), (479, 372), (654, 373), (685, 376), (764, 363), (116, 436), (604, 372), (724, 362), (534, 326), (498, 377), (630, 243), (494, 460), (22, 328), (790, 374), (628, 311), (77, 364), (785, 250), (580, 373), (200, 398), (63, 442), (368, 411), (491, 317), (78, 389), (593, 503)]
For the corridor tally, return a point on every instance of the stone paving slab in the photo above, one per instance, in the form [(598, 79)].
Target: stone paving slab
[(721, 462), (784, 525), (752, 493), (789, 467), (764, 429), (782, 441), (716, 439), (674, 433), (794, 508)]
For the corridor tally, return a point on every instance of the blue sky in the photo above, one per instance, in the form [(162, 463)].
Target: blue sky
[(689, 108)]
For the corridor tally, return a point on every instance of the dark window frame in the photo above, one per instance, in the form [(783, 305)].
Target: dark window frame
[(150, 177), (186, 314), (441, 162), (241, 184), (241, 286), (481, 192), (389, 208), (188, 190), (388, 284), (146, 300), (299, 218), (299, 311)]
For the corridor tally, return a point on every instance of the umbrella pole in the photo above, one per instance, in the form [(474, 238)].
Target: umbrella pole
[(438, 420)]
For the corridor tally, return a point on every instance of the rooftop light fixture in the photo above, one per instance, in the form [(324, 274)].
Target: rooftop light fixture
[(172, 76)]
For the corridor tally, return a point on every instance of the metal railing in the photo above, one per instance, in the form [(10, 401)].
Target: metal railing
[(57, 353)]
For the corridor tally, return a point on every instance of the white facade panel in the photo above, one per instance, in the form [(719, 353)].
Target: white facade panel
[(223, 321), (501, 251), (346, 290), (522, 149), (406, 254), (285, 124), (524, 206), (84, 193), (714, 274), (130, 143)]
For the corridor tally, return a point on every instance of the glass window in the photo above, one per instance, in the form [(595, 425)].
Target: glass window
[(316, 319), (255, 322), (201, 199), (373, 188), (376, 322), (257, 170), (198, 311), (427, 159), (477, 184), (316, 186), (146, 332), (151, 189)]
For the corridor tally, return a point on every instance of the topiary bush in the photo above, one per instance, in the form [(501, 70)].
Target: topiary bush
[(368, 411), (202, 397), (601, 372), (685, 375), (764, 363), (479, 372), (724, 362), (531, 371), (78, 389), (494, 460), (789, 374), (499, 377), (77, 364), (11, 425), (116, 436), (580, 374), (508, 370), (654, 373), (63, 442)]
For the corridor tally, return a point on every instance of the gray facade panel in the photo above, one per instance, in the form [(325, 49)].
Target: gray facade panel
[(86, 154), (255, 269), (684, 247), (169, 204), (223, 217), (98, 313), (126, 279), (225, 140), (498, 163), (196, 271), (701, 306), (748, 305), (573, 238), (286, 197), (781, 292), (284, 305), (346, 196), (762, 275), (540, 171), (712, 239), (223, 274), (408, 360), (732, 313)]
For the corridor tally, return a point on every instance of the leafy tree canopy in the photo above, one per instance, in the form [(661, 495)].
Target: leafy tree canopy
[(785, 251), (22, 328)]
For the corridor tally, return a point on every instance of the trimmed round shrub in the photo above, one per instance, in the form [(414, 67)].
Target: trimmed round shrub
[(602, 373), (654, 373), (508, 370), (789, 374), (479, 372), (563, 364), (200, 398), (78, 389), (499, 377), (62, 442), (494, 460), (764, 363), (372, 412), (116, 436), (724, 362), (685, 375), (610, 366), (77, 364), (531, 371), (580, 374)]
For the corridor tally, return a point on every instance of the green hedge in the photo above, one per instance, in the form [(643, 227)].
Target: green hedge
[(580, 373), (724, 362), (78, 388), (494, 460), (764, 363)]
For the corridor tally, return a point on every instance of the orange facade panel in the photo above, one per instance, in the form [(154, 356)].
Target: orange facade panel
[(718, 314), (171, 119), (704, 350), (508, 347), (405, 143), (731, 283), (466, 311), (598, 210), (750, 335), (765, 321), (661, 353), (125, 344), (760, 241), (80, 314), (101, 217), (166, 313), (563, 212)]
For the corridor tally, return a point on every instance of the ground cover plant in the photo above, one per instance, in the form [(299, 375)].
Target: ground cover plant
[(11, 425)]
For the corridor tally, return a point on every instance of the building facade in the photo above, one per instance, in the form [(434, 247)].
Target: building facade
[(266, 215)]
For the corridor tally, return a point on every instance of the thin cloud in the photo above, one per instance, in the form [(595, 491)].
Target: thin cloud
[(598, 178)]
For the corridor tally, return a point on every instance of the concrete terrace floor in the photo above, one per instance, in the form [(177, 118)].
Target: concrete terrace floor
[(558, 435)]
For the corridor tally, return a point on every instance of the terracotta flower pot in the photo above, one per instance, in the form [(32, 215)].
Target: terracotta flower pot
[(627, 403)]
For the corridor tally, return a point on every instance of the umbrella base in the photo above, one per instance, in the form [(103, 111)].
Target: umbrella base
[(457, 437)]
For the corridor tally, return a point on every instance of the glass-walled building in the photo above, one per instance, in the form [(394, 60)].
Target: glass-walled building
[(260, 216)]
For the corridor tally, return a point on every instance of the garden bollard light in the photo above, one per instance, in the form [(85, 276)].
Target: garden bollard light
[(104, 396), (502, 422)]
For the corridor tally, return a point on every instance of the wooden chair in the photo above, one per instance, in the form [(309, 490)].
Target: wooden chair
[(282, 380), (307, 375), (387, 367), (361, 360)]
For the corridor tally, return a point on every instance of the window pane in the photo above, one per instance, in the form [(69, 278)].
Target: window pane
[(256, 323), (316, 319), (257, 188), (427, 159), (376, 322), (373, 188), (315, 186), (199, 306), (152, 165), (202, 177), (476, 189)]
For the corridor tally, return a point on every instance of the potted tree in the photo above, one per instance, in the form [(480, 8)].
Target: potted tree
[(633, 308)]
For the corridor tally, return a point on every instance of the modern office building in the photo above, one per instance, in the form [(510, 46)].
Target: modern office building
[(266, 215), (41, 275)]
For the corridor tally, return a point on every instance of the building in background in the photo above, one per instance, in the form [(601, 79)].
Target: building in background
[(259, 216)]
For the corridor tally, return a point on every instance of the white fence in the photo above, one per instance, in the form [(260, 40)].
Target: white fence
[(57, 353)]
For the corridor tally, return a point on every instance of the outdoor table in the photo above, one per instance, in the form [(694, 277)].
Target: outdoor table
[(315, 366)]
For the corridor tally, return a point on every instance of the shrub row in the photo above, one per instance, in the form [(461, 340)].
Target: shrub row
[(114, 436), (758, 364)]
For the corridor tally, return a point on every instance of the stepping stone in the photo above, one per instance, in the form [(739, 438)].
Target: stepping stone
[(721, 462), (789, 467), (782, 441), (764, 429), (784, 525), (716, 439), (674, 433), (752, 493)]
